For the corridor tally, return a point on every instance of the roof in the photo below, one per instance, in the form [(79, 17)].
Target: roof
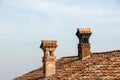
[(100, 66), (84, 30)]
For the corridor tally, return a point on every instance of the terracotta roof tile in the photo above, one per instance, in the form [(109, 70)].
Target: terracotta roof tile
[(48, 43), (100, 66), (84, 30)]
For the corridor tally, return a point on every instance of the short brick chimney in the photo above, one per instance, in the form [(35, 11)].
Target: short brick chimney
[(83, 35), (49, 59)]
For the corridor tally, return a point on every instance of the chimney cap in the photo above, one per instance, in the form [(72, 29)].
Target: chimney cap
[(48, 43), (84, 30)]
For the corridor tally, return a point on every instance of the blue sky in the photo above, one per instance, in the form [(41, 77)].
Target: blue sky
[(24, 23)]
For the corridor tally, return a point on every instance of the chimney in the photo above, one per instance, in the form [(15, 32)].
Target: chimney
[(49, 59), (83, 35)]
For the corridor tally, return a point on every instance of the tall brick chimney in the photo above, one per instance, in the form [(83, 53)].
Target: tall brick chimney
[(83, 35), (49, 59)]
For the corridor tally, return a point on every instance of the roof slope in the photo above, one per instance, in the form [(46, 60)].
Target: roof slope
[(100, 66)]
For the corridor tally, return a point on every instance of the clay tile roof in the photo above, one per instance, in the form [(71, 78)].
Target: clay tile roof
[(48, 43), (100, 66), (84, 30)]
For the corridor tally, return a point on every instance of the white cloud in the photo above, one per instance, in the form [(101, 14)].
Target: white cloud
[(57, 12), (55, 8)]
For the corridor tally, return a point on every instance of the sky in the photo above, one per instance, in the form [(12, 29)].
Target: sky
[(24, 23)]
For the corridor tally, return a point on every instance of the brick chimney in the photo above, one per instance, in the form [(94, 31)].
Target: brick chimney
[(49, 59), (83, 35)]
